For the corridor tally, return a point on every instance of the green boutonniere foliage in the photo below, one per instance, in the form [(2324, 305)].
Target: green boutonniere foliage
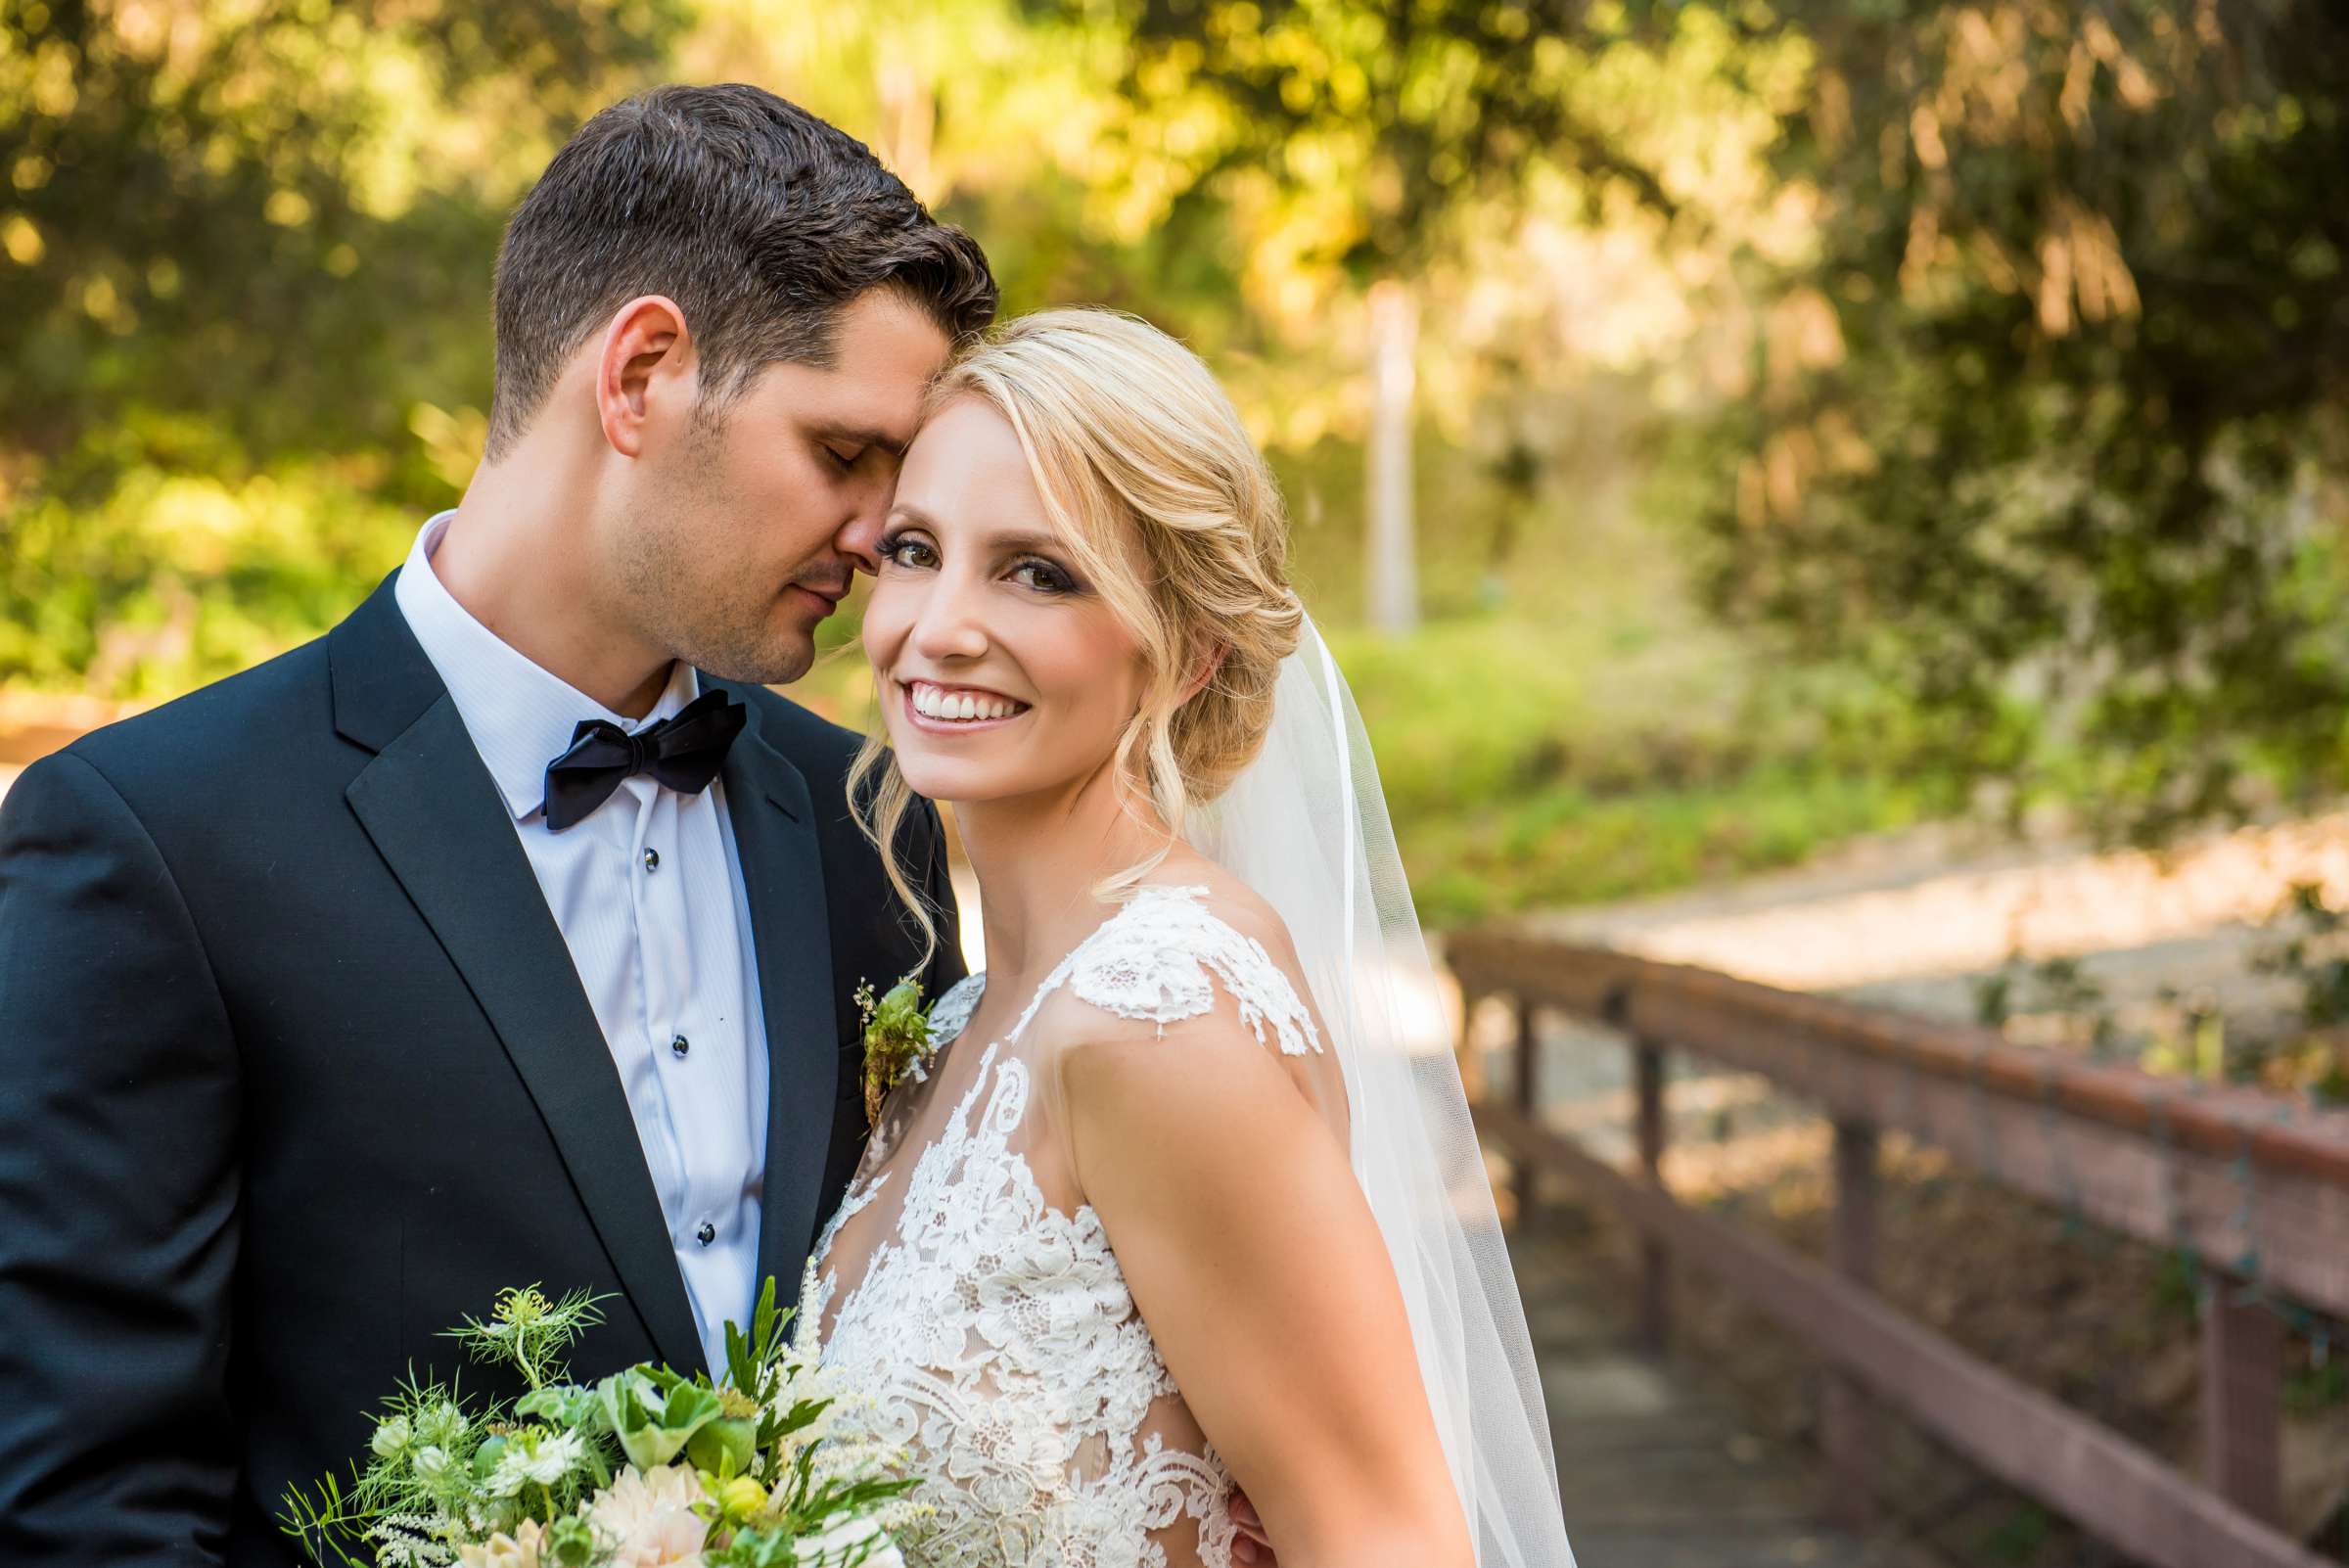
[(897, 1042)]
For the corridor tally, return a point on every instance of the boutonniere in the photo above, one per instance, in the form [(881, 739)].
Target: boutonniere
[(897, 1042)]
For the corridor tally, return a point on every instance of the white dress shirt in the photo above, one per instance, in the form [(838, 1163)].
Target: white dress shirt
[(649, 894)]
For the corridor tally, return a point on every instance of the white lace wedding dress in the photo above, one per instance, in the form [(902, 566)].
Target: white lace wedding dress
[(966, 1288)]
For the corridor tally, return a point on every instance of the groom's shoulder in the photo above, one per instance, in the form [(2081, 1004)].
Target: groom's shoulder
[(217, 733), (277, 730)]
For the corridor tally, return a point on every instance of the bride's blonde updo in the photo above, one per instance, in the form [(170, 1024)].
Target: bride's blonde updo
[(1147, 473)]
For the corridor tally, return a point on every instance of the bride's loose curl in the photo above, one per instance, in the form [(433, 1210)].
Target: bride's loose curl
[(1148, 476)]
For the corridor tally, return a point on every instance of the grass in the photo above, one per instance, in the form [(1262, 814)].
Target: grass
[(1569, 726), (1526, 768)]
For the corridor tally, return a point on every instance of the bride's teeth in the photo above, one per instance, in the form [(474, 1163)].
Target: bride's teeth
[(959, 706)]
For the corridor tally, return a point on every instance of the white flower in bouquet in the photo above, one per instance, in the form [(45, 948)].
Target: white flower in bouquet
[(410, 1540), (517, 1550), (651, 1515), (391, 1438), (440, 1422), (539, 1461)]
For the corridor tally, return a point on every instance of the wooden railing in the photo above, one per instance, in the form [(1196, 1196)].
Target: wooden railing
[(2255, 1184)]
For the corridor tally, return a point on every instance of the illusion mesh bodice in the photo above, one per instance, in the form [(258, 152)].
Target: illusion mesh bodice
[(969, 1293)]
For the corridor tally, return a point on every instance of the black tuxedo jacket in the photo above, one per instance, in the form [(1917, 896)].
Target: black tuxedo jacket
[(296, 1070)]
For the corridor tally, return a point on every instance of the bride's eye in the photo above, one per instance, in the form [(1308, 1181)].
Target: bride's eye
[(1044, 576), (905, 550)]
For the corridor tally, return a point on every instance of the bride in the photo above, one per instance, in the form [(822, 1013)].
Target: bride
[(1185, 1203)]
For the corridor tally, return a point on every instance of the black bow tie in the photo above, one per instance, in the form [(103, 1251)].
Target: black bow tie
[(683, 752)]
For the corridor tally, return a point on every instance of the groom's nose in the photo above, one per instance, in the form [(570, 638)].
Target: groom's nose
[(859, 538)]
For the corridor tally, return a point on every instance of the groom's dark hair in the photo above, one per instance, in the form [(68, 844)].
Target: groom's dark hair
[(757, 218)]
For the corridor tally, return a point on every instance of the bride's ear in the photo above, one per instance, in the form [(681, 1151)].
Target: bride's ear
[(1205, 672)]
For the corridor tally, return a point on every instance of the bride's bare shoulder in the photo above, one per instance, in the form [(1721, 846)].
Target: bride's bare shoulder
[(1247, 911), (1193, 1029)]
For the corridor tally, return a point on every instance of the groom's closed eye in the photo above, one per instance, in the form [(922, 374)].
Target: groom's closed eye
[(849, 444)]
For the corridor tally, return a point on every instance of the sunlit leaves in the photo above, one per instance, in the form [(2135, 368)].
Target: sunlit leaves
[(2082, 267)]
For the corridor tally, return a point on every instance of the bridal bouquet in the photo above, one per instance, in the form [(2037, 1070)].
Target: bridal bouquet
[(643, 1469)]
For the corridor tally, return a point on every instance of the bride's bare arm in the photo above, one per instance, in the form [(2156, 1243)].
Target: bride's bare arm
[(1254, 1259)]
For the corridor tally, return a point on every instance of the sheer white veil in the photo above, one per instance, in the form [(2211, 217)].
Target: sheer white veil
[(1306, 826)]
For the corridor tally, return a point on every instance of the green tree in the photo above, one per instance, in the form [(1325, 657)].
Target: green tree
[(244, 249), (187, 186), (2057, 445), (1378, 165)]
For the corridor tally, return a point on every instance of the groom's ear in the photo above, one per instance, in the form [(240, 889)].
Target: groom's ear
[(647, 374)]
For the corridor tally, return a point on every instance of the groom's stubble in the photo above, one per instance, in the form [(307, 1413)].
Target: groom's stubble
[(714, 620), (690, 599)]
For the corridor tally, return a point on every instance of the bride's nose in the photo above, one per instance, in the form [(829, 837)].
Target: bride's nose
[(949, 626)]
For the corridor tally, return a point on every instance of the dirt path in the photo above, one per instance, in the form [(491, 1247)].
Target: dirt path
[(1914, 920)]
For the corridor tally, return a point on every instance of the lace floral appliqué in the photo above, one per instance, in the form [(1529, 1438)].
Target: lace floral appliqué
[(1159, 960)]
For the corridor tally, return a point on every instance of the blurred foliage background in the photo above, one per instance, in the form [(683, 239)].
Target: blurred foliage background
[(1828, 414)]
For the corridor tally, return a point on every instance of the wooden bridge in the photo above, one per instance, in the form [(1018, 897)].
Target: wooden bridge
[(1657, 1471)]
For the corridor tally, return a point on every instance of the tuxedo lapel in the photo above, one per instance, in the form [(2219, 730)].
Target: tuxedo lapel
[(434, 814), (783, 877)]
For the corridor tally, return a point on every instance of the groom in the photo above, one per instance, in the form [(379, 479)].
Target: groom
[(505, 934)]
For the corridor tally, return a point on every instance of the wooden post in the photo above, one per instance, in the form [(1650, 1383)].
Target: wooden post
[(1525, 1180), (908, 127), (1393, 587), (2242, 1399), (1847, 1422), (1470, 1060), (1655, 1259)]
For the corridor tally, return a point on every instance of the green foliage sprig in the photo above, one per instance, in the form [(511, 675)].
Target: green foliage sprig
[(897, 1041), (528, 1333)]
